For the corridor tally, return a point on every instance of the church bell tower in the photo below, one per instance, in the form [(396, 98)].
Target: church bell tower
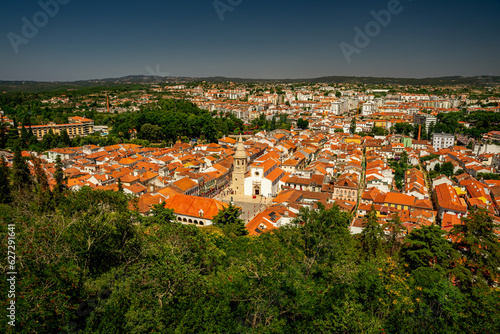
[(239, 168)]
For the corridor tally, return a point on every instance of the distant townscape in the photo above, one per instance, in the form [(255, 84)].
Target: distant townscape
[(323, 178), (415, 151)]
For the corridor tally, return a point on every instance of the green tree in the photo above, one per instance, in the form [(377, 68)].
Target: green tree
[(12, 137), (447, 169), (150, 132), (352, 128), (25, 137), (228, 219), (302, 124), (48, 140), (59, 177), (478, 244), (403, 128), (21, 176), (396, 233), (430, 131), (378, 131), (427, 247), (321, 231), (42, 189), (160, 215), (64, 138), (5, 194), (441, 304), (404, 159), (372, 237)]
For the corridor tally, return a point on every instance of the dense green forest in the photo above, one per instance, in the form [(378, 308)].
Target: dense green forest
[(86, 263), (170, 120), (163, 123), (167, 121)]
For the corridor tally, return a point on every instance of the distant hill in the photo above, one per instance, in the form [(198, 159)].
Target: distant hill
[(38, 86), (454, 80)]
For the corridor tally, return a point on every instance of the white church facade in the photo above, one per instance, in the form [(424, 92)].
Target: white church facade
[(264, 179)]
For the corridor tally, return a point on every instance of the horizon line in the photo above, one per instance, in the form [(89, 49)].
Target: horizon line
[(247, 78)]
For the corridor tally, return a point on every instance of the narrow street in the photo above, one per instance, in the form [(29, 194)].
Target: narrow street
[(361, 186), (428, 183)]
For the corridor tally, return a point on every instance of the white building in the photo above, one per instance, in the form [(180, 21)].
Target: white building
[(442, 140), (424, 119), (340, 107), (263, 179), (368, 109)]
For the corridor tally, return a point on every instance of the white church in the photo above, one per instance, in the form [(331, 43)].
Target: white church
[(264, 179), (261, 180)]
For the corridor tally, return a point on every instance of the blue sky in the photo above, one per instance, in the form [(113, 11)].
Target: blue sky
[(258, 39)]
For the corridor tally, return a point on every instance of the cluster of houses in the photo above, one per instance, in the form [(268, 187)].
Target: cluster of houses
[(424, 201), (327, 163), (292, 169)]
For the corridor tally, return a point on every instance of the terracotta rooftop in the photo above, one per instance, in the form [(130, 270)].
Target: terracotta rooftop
[(194, 206), (185, 184)]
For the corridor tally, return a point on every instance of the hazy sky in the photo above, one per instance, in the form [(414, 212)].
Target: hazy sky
[(90, 39)]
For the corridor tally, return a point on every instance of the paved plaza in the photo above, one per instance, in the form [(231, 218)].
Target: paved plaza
[(250, 206)]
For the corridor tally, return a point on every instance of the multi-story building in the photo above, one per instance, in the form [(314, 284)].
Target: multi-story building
[(339, 107), (442, 140), (77, 126), (424, 119), (346, 189), (368, 109)]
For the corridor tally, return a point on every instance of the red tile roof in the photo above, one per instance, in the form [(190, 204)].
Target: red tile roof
[(399, 199), (193, 206), (447, 198)]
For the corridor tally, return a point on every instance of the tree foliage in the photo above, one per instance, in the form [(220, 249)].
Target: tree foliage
[(479, 247), (5, 193), (88, 264), (302, 124), (21, 176), (372, 238), (171, 119), (228, 219), (427, 247)]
